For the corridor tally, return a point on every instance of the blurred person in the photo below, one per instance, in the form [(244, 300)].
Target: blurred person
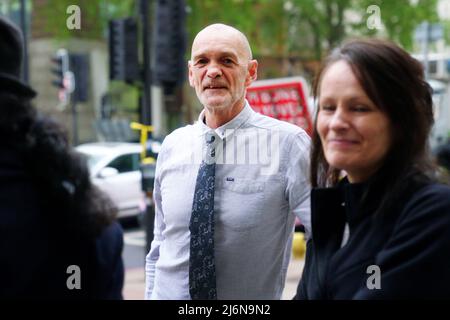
[(383, 230), (443, 156), (224, 224), (58, 235)]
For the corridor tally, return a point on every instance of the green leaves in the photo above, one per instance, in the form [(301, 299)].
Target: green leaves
[(51, 16), (309, 28), (280, 28)]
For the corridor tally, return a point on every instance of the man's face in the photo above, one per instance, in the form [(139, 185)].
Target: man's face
[(220, 69)]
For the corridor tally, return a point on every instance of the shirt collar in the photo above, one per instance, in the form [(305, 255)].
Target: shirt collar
[(228, 128)]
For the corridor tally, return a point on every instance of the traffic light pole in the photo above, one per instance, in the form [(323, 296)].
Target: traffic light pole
[(146, 113)]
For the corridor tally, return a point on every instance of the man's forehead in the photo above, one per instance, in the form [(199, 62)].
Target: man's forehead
[(215, 48), (220, 40)]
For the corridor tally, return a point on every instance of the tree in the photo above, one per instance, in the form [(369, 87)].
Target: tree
[(401, 17), (94, 17), (331, 21)]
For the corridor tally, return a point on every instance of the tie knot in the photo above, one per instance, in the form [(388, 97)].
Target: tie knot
[(210, 148), (210, 137)]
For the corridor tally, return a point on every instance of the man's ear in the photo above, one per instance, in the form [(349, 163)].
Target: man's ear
[(191, 76), (252, 72)]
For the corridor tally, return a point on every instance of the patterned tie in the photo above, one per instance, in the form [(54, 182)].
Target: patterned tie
[(202, 270)]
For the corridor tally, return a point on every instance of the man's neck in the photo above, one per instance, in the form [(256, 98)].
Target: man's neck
[(215, 118)]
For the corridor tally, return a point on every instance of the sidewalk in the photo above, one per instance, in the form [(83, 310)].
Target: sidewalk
[(135, 281), (134, 285)]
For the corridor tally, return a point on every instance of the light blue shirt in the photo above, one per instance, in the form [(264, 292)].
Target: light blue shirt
[(261, 184)]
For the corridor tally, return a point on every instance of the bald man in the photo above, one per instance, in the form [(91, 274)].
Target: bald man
[(227, 188)]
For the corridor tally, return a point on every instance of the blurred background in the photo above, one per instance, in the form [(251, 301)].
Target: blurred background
[(114, 72), (288, 37)]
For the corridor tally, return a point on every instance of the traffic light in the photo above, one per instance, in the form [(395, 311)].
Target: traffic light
[(170, 42), (64, 80), (123, 54), (79, 65), (60, 67)]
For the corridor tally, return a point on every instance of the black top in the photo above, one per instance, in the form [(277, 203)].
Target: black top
[(36, 251), (410, 245)]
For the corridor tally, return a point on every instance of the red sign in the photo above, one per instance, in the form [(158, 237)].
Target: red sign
[(283, 99)]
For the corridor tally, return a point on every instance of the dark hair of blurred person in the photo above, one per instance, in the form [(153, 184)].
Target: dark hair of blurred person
[(51, 216), (375, 202)]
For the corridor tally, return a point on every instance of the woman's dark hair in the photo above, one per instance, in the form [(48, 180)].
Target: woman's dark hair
[(395, 82), (59, 174)]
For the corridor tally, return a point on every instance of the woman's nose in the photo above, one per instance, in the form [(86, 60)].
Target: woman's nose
[(339, 120)]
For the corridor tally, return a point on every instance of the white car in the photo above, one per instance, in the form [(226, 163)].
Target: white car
[(115, 169)]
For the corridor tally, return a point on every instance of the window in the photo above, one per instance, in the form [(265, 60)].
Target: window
[(126, 163), (12, 9), (432, 66)]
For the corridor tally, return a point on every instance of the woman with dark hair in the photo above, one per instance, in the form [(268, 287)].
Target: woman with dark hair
[(380, 221), (58, 235)]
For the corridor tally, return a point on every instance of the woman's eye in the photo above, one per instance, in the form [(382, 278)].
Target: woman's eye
[(227, 61), (360, 108), (326, 108)]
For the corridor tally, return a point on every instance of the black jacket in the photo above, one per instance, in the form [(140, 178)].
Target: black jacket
[(36, 251), (410, 245)]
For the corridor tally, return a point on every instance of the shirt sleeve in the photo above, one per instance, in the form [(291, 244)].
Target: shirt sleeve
[(297, 176), (153, 255), (415, 261)]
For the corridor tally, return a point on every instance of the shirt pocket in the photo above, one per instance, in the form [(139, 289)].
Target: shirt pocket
[(243, 203), (243, 186)]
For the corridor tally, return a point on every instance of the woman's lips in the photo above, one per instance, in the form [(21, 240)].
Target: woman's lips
[(342, 143)]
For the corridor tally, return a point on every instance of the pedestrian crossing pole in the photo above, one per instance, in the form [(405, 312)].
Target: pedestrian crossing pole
[(148, 166)]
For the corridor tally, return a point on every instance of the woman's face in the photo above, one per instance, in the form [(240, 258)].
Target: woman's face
[(355, 134)]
